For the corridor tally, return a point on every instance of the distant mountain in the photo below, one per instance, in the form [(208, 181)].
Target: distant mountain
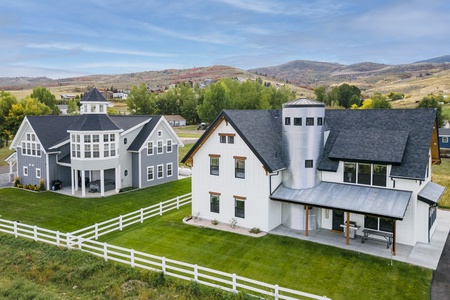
[(440, 59)]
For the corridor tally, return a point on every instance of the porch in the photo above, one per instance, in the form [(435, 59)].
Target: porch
[(67, 190), (422, 254)]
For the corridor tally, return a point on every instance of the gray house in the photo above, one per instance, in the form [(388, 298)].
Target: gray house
[(94, 152)]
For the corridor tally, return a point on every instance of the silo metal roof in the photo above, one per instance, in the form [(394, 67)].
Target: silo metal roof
[(303, 102)]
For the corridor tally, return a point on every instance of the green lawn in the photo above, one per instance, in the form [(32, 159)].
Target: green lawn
[(64, 213), (441, 175), (4, 153)]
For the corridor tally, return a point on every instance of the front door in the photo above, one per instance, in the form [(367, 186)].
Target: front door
[(338, 220)]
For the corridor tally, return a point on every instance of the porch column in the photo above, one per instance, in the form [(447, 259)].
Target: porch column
[(394, 238), (118, 179), (307, 223), (73, 181), (102, 183), (347, 229), (83, 185)]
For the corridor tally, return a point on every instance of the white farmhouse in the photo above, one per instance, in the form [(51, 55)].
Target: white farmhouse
[(304, 167)]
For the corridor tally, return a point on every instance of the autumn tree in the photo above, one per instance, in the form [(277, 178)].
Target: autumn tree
[(6, 102)]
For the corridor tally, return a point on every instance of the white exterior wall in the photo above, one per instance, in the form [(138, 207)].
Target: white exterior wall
[(260, 211)]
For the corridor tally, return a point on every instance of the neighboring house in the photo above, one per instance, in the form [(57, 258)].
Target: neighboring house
[(444, 136), (67, 97), (175, 120), (307, 168), (111, 151), (121, 96), (63, 109)]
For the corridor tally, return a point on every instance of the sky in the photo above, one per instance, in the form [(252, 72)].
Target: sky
[(64, 38)]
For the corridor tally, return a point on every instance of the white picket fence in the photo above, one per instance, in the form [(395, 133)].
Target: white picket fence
[(213, 278), (138, 216)]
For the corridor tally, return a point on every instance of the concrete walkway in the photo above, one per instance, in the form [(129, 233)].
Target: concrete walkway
[(422, 254)]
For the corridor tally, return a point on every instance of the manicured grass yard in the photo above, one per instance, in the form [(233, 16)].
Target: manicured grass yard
[(64, 213), (310, 267), (297, 264), (441, 175)]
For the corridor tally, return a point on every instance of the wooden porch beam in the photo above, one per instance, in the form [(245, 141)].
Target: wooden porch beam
[(347, 229)]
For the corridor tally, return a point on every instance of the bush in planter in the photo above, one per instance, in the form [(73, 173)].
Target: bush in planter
[(214, 222), (16, 181), (255, 230)]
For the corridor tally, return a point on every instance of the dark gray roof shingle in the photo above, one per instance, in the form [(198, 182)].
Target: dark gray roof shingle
[(91, 122), (51, 130), (144, 133), (93, 96), (419, 123)]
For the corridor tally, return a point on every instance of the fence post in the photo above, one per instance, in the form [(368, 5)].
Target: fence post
[(163, 265), (105, 251), (160, 208), (132, 258), (15, 229), (120, 222), (80, 241), (142, 215), (96, 231), (276, 292), (68, 240), (234, 283), (35, 233), (57, 238), (178, 202), (195, 273)]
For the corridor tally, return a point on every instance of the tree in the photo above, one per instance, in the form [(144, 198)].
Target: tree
[(321, 93), (433, 101), (380, 102), (72, 107), (140, 101), (6, 102), (44, 96), (27, 107), (395, 96), (216, 98)]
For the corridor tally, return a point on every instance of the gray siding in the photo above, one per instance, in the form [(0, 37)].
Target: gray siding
[(58, 172), (32, 163), (135, 172), (159, 159)]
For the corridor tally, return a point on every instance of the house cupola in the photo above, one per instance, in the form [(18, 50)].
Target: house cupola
[(302, 140), (93, 103)]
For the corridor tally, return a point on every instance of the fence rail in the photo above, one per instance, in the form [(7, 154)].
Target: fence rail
[(138, 216), (202, 275)]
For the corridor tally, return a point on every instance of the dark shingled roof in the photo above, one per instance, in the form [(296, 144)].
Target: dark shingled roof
[(144, 133), (51, 130), (260, 130), (419, 123), (372, 145), (444, 131), (93, 96), (91, 122), (128, 122)]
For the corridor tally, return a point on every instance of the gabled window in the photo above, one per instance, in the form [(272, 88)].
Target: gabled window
[(239, 166), (230, 139), (160, 147), (214, 164), (169, 146), (223, 139), (31, 146)]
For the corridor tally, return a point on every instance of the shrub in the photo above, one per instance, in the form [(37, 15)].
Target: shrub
[(16, 181), (214, 222), (41, 185), (255, 230)]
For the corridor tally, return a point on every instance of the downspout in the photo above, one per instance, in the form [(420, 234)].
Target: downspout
[(270, 181)]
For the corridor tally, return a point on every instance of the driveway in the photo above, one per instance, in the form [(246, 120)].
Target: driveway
[(4, 176), (440, 286)]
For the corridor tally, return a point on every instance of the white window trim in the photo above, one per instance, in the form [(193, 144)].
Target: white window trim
[(162, 171), (152, 147), (159, 133), (25, 171), (38, 171), (171, 170), (171, 146), (153, 173), (445, 139), (157, 147)]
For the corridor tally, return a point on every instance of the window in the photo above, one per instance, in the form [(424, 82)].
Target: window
[(31, 146), (319, 121), (87, 150), (125, 173), (125, 141), (214, 164), (379, 175), (38, 173), (445, 139), (239, 167), (214, 199), (287, 121), (169, 146), (364, 172), (226, 138), (350, 172), (239, 207), (159, 132), (297, 121), (106, 150), (150, 148), (169, 170), (309, 121), (96, 150), (308, 163), (379, 223), (230, 139), (106, 138), (160, 171), (25, 171), (150, 175), (160, 147), (223, 139)]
